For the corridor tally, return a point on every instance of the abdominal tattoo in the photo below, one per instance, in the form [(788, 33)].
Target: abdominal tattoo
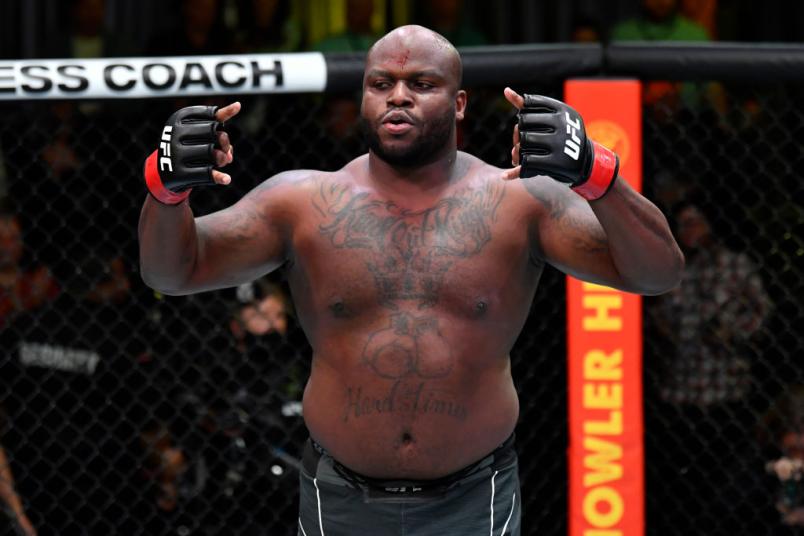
[(408, 254), (403, 397), (395, 353)]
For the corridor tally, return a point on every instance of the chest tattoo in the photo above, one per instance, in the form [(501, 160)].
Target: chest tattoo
[(408, 252)]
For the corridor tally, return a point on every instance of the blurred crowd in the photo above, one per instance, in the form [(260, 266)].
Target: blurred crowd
[(123, 410)]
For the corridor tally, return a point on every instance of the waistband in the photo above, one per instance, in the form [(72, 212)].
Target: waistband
[(502, 456)]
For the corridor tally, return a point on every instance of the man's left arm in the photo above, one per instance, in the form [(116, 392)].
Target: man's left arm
[(635, 249), (640, 242)]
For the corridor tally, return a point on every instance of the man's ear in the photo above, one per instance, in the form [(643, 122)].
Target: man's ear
[(460, 104)]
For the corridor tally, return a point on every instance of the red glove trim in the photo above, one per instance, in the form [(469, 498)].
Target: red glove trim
[(601, 178), (154, 183)]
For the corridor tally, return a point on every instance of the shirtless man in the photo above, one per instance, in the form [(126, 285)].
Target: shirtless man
[(412, 270)]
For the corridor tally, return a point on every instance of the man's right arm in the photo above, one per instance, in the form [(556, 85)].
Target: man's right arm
[(181, 254)]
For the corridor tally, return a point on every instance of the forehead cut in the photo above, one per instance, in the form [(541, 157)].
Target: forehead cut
[(409, 44)]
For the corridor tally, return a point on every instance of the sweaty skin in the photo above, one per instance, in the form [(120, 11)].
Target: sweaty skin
[(413, 268)]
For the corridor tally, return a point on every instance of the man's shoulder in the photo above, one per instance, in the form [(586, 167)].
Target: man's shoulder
[(289, 185), (477, 169), (537, 196), (289, 180)]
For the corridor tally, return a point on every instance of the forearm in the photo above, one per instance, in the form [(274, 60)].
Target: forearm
[(641, 244), (168, 245), (7, 492)]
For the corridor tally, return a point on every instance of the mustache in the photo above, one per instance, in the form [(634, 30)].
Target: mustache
[(397, 113)]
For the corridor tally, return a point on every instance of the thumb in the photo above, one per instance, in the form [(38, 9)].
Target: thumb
[(514, 98), (227, 112)]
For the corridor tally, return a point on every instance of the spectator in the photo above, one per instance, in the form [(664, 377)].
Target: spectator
[(267, 26), (271, 381), (448, 17), (586, 29), (702, 12), (358, 35), (341, 113), (720, 304), (200, 31), (782, 432), (60, 386), (85, 34), (21, 288), (260, 326), (704, 415), (12, 504), (265, 310), (662, 20), (164, 464)]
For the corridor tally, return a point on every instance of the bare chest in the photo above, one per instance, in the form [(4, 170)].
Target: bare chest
[(359, 250)]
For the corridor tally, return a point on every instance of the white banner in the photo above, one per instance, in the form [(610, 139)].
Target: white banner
[(125, 78)]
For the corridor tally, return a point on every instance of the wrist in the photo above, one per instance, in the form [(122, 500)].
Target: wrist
[(605, 166), (155, 186)]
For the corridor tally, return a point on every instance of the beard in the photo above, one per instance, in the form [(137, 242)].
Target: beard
[(435, 135)]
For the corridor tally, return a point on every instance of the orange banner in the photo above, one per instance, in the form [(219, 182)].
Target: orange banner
[(604, 330)]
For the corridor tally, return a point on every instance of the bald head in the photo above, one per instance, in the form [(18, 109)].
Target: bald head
[(414, 40)]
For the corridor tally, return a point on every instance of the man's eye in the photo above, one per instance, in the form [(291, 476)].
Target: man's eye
[(382, 84), (423, 85)]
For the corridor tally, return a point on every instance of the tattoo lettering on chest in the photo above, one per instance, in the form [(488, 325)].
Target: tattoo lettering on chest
[(409, 251)]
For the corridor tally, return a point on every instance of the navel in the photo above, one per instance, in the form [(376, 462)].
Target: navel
[(338, 309), (481, 307)]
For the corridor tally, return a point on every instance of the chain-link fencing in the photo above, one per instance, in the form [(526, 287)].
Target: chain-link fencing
[(128, 412)]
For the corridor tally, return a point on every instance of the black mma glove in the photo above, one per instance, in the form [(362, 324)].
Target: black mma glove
[(552, 141), (184, 158)]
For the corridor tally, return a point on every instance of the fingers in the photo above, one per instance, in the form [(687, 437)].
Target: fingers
[(515, 150), (225, 153), (220, 178), (511, 174), (515, 155), (227, 112), (222, 159), (514, 98), (223, 141)]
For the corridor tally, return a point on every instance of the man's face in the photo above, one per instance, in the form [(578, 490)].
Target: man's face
[(410, 104), (266, 316)]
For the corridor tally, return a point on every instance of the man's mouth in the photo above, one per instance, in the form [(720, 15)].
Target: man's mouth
[(397, 122)]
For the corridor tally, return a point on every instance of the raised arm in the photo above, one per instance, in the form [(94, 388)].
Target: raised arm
[(599, 230), (181, 254)]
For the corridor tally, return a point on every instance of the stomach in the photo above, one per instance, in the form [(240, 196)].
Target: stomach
[(402, 410)]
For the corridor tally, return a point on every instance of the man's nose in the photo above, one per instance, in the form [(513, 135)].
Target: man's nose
[(400, 95)]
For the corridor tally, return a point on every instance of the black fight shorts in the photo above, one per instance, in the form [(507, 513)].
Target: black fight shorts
[(482, 499)]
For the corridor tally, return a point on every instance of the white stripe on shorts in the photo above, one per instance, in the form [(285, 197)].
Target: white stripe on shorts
[(301, 527), (491, 532), (318, 496), (513, 504)]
